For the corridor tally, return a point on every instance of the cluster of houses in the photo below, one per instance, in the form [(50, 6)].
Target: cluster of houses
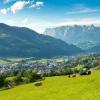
[(40, 67)]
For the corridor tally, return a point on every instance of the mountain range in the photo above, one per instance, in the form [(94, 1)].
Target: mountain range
[(83, 36), (24, 42)]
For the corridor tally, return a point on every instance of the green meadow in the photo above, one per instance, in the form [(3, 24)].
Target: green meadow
[(58, 88), (3, 62)]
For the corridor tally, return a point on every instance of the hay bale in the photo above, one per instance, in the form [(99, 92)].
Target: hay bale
[(38, 83), (74, 75)]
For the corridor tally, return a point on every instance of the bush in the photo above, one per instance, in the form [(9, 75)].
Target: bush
[(32, 76), (18, 80), (89, 72), (68, 71), (85, 72), (2, 80), (52, 73), (9, 84)]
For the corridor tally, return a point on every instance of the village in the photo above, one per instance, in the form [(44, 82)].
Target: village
[(40, 67)]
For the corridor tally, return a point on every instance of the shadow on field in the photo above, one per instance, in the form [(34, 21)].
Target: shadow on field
[(3, 89)]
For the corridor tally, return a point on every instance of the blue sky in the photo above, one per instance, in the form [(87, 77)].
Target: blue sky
[(39, 14)]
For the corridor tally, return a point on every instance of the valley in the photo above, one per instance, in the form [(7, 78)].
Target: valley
[(49, 49)]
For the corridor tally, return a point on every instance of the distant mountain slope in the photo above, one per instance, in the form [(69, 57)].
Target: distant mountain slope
[(84, 36), (24, 42), (95, 49)]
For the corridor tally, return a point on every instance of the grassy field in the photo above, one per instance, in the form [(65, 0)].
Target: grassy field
[(31, 59), (3, 62), (58, 88)]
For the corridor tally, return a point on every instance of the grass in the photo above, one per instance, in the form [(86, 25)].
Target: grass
[(58, 88), (31, 59), (3, 62)]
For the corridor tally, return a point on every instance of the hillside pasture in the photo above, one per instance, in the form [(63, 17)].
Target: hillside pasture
[(58, 88)]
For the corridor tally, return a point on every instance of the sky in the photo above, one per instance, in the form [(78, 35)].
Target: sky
[(41, 14)]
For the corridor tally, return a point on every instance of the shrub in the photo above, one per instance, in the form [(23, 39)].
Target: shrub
[(89, 72), (68, 71), (32, 76), (9, 84), (2, 80), (18, 80), (52, 73), (83, 73)]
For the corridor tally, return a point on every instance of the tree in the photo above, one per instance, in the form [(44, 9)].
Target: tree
[(68, 71), (2, 80), (18, 79), (32, 76)]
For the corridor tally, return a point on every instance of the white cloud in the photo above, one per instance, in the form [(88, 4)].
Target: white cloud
[(18, 6), (37, 4), (81, 9), (4, 11), (21, 4)]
